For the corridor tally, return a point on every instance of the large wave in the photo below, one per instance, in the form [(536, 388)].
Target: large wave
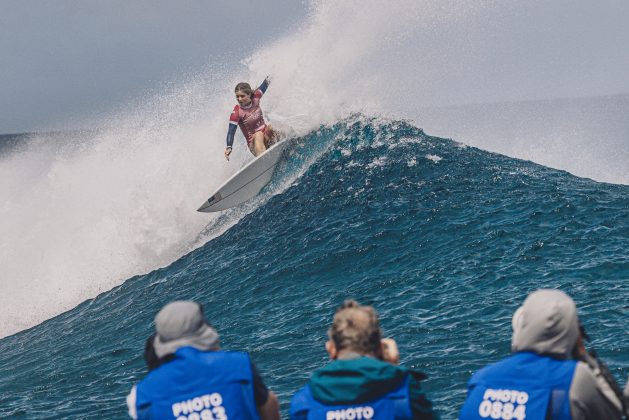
[(87, 210), (443, 239)]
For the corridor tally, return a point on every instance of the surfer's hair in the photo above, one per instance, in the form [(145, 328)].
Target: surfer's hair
[(356, 328), (244, 87)]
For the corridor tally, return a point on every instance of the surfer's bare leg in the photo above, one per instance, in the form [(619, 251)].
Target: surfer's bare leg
[(258, 143), (270, 136)]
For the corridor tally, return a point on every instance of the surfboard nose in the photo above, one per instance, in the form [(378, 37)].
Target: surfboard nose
[(216, 197), (203, 207)]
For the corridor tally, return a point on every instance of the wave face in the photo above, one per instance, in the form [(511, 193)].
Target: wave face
[(444, 240)]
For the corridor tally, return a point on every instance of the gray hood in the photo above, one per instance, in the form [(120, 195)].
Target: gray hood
[(181, 324), (546, 323)]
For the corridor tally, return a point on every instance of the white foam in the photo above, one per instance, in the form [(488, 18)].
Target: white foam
[(88, 212), (433, 158)]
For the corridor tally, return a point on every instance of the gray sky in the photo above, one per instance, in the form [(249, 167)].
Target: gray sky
[(68, 58), (511, 50), (71, 58)]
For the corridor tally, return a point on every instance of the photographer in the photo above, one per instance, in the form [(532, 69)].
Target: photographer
[(550, 375), (363, 380), (190, 377)]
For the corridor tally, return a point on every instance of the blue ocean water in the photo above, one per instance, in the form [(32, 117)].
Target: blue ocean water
[(444, 240)]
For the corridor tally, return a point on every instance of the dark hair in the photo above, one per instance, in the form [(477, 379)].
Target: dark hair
[(151, 359), (245, 87), (356, 327)]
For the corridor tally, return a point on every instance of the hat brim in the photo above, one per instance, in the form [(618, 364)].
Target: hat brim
[(205, 338)]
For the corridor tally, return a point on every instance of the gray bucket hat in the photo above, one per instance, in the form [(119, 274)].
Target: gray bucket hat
[(182, 323)]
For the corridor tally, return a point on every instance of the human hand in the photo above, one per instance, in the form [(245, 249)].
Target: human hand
[(579, 348), (390, 352), (228, 151)]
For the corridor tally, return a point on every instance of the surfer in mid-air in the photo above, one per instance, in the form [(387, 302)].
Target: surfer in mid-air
[(248, 116)]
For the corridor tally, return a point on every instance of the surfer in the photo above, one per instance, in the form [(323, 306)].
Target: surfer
[(248, 116)]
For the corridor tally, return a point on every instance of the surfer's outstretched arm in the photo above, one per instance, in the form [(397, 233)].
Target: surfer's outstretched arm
[(265, 84)]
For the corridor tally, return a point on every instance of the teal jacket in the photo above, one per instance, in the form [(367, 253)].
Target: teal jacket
[(362, 379)]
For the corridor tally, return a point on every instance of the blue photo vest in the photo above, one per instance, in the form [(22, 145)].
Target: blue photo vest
[(524, 385), (199, 385), (394, 405)]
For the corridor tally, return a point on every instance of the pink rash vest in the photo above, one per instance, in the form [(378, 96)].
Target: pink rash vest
[(250, 119)]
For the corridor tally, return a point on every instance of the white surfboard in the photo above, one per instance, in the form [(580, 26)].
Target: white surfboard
[(248, 181)]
